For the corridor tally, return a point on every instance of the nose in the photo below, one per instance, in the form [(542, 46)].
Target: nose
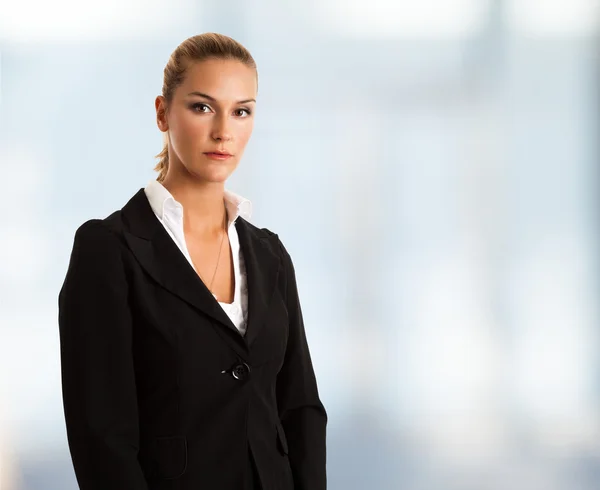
[(221, 131)]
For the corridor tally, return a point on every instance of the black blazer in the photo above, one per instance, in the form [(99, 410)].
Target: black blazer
[(160, 390)]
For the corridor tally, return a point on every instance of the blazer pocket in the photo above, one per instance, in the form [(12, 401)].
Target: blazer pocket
[(283, 445), (171, 457)]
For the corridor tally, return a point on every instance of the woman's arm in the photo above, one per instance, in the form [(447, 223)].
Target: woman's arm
[(302, 414), (98, 384)]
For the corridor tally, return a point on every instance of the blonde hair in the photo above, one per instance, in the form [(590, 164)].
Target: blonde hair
[(209, 45)]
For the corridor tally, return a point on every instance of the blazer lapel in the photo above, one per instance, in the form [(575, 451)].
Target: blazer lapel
[(262, 270), (162, 259)]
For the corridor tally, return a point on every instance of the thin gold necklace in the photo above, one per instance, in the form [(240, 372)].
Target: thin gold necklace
[(219, 256)]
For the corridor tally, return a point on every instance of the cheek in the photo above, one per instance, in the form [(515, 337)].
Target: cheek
[(244, 134), (189, 128), (196, 126)]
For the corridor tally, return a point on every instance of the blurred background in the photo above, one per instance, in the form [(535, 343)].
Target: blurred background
[(442, 159)]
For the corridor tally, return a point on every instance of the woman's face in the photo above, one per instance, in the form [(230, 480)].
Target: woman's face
[(211, 111)]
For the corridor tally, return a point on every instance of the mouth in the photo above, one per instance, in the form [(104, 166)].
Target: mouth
[(218, 155)]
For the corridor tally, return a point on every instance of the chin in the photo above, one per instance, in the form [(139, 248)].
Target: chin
[(215, 177), (210, 173)]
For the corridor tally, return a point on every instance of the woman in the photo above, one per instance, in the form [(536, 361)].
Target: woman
[(184, 358)]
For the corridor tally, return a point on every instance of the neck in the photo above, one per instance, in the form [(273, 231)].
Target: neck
[(203, 205)]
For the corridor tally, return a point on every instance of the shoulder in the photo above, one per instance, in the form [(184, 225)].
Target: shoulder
[(96, 261), (255, 230), (105, 237), (270, 237), (100, 233)]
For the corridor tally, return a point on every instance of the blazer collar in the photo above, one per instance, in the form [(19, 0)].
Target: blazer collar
[(164, 262)]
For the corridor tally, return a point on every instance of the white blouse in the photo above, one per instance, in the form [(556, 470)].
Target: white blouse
[(170, 213)]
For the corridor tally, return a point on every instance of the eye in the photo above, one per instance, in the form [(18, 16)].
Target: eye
[(247, 111), (197, 105)]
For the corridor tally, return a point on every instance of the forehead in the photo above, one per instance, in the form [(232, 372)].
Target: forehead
[(222, 79)]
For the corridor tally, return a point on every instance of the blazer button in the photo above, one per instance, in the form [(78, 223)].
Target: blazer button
[(240, 371)]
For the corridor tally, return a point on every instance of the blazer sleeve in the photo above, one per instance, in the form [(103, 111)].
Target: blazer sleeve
[(97, 373), (301, 411)]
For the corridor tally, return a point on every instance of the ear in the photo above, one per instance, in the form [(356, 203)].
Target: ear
[(161, 113)]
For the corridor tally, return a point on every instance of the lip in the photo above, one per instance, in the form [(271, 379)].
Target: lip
[(218, 156)]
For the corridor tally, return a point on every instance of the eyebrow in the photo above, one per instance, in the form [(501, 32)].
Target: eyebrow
[(200, 94)]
